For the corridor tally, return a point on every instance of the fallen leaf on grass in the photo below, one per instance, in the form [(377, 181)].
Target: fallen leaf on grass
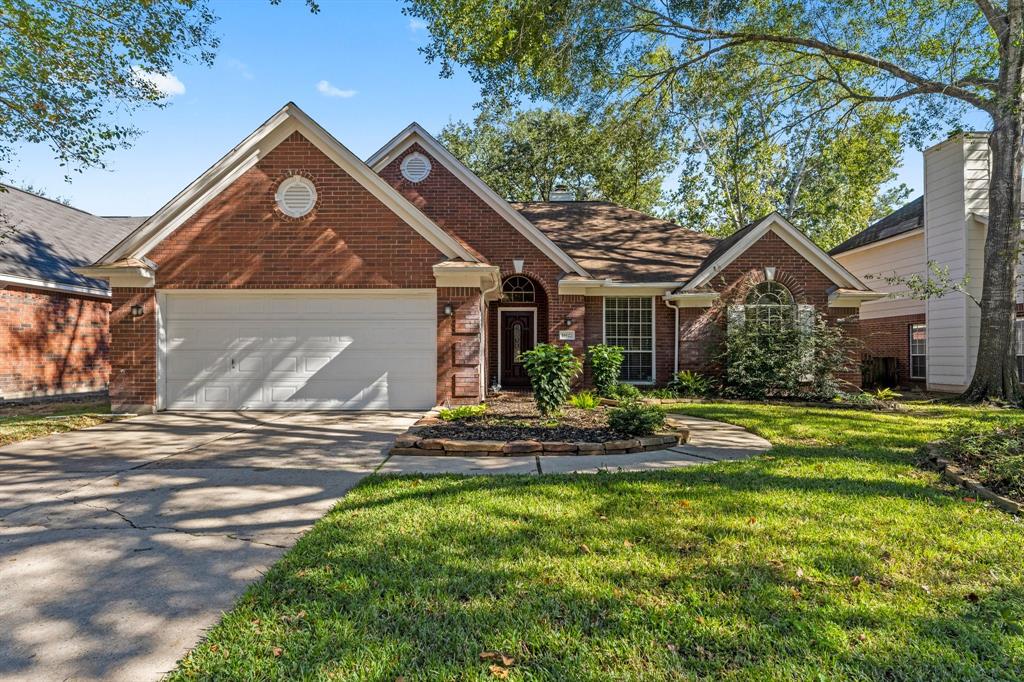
[(499, 672), (685, 504), (752, 520), (585, 549), (627, 543), (506, 661), (970, 499), (277, 651)]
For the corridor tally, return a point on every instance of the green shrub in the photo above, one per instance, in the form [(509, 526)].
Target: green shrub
[(551, 370), (887, 395), (766, 359), (662, 393), (624, 392), (462, 412), (994, 455), (690, 384), (605, 365), (585, 400), (632, 418)]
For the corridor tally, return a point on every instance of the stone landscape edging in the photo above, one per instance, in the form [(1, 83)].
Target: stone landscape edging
[(954, 474)]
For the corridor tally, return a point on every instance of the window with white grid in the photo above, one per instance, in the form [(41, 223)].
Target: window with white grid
[(629, 324), (918, 351)]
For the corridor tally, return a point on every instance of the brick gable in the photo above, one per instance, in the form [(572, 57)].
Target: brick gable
[(241, 240)]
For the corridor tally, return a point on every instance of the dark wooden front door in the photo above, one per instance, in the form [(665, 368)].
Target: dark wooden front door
[(516, 338)]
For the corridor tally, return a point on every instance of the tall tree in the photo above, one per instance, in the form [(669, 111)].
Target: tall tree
[(622, 154), (70, 69), (932, 59)]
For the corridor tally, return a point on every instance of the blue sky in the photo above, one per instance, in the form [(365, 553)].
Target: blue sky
[(354, 67)]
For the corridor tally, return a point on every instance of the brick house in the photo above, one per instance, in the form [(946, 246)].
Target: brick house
[(53, 321), (930, 344), (293, 275)]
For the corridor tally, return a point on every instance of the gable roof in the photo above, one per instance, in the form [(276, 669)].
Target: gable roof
[(730, 248), (415, 134), (245, 155), (620, 244), (47, 239), (906, 218)]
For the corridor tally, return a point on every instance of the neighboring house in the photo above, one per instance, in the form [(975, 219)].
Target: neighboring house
[(292, 275), (931, 343), (53, 321)]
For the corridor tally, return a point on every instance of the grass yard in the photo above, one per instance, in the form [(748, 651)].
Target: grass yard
[(832, 557), (23, 422)]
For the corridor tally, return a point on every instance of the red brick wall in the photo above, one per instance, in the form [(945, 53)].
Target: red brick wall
[(133, 350), (52, 343), (241, 240), (457, 209), (889, 337), (458, 346)]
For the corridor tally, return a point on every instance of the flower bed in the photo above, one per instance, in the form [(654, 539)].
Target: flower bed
[(511, 425), (985, 459)]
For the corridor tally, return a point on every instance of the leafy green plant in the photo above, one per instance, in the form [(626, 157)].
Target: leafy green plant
[(624, 392), (768, 358), (662, 393), (605, 365), (462, 412), (690, 384), (585, 400), (551, 370), (633, 418), (887, 395)]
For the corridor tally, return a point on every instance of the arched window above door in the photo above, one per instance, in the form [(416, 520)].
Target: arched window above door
[(518, 289)]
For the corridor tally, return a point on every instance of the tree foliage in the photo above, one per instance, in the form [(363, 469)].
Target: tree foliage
[(621, 154), (923, 60), (70, 69)]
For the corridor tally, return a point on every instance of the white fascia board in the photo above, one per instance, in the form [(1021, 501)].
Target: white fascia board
[(607, 287), (142, 278), (474, 276), (980, 217), (414, 133), (30, 283), (246, 154), (850, 299), (795, 239), (692, 299), (916, 232)]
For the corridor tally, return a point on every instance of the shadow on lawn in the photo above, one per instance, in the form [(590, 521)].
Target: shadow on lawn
[(650, 576)]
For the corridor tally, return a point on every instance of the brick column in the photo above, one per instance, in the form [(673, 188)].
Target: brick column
[(459, 341), (133, 351)]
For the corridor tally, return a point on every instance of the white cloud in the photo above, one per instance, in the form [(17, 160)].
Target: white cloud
[(241, 67), (416, 25), (328, 90), (167, 83)]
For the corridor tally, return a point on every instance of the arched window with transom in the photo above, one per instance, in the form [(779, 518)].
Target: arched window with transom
[(771, 303), (518, 289)]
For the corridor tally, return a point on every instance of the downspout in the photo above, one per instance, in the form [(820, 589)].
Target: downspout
[(485, 361), (675, 362)]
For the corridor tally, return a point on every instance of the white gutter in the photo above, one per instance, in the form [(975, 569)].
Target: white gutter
[(29, 283)]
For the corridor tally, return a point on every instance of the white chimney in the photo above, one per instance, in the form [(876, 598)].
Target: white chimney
[(561, 193)]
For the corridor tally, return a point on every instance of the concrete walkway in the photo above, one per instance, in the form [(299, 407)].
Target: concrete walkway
[(121, 544), (709, 442)]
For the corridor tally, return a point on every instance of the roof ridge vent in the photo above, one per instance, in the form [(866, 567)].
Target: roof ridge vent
[(562, 193)]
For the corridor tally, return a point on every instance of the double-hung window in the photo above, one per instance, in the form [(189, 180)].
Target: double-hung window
[(918, 351), (1020, 348), (629, 324)]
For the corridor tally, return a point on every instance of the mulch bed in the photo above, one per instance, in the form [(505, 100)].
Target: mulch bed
[(515, 417)]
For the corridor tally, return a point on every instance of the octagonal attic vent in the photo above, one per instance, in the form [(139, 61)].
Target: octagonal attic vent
[(415, 167), (296, 196)]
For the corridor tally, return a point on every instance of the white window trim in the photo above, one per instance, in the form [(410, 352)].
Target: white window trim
[(654, 340), (498, 331), (911, 354)]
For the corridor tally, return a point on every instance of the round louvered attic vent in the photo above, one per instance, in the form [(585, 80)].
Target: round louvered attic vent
[(415, 167), (296, 196)]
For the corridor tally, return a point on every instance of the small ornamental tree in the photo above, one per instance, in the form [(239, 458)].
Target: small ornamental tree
[(551, 370), (778, 358), (605, 364)]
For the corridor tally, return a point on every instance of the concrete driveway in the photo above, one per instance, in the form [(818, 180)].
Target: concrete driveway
[(121, 544)]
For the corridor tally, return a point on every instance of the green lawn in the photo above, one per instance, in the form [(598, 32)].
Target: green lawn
[(35, 421), (832, 557)]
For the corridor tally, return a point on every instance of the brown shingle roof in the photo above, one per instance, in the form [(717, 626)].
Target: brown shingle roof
[(618, 243)]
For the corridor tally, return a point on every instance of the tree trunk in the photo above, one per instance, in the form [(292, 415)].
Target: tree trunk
[(995, 375)]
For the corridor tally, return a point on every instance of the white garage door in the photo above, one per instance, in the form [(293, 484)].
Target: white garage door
[(357, 350)]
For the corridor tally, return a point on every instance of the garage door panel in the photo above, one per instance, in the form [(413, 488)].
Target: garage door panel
[(343, 351)]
